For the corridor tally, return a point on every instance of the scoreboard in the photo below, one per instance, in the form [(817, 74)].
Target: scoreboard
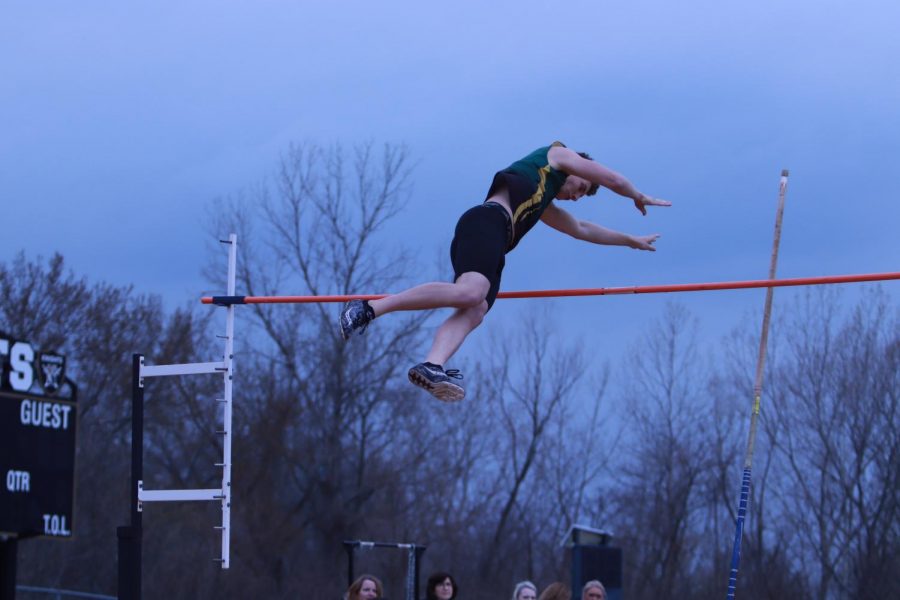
[(38, 420)]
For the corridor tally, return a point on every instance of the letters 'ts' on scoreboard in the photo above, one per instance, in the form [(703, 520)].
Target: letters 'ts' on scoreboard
[(37, 441)]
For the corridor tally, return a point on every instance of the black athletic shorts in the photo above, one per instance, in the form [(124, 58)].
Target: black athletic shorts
[(480, 243)]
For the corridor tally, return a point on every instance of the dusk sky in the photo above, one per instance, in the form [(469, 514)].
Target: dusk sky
[(122, 122)]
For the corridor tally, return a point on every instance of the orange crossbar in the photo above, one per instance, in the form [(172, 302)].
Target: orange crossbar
[(637, 289)]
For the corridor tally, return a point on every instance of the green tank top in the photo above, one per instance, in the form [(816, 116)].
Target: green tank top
[(532, 184)]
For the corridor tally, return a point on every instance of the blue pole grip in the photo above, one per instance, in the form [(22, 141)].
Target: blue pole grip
[(738, 534)]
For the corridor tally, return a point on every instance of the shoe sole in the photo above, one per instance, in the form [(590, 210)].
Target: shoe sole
[(443, 391)]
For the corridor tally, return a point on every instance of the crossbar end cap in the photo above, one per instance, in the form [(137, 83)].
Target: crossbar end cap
[(227, 300)]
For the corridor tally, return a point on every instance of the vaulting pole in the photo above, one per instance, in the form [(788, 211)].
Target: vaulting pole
[(757, 393)]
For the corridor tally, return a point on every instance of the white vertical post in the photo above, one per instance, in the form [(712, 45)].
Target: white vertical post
[(226, 413)]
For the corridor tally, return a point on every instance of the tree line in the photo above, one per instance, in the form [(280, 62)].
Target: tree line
[(330, 442)]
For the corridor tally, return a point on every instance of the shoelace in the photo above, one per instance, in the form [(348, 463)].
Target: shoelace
[(454, 373)]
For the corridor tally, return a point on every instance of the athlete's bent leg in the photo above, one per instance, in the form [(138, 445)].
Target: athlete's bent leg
[(469, 290), (451, 334), (431, 375)]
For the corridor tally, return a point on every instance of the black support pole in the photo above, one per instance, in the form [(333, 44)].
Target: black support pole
[(349, 547), (8, 549), (420, 550), (130, 537)]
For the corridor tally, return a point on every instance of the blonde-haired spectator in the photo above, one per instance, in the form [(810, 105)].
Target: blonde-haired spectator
[(525, 590), (593, 590)]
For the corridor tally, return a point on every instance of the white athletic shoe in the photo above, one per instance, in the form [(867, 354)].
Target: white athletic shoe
[(435, 380)]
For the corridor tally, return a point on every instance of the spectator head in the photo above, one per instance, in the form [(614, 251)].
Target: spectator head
[(525, 590), (366, 587), (441, 586), (593, 590), (556, 591)]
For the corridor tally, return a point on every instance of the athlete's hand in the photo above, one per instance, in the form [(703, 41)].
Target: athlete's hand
[(643, 201), (644, 242)]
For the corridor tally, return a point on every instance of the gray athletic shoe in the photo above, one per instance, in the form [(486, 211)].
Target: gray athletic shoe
[(436, 381), (357, 314)]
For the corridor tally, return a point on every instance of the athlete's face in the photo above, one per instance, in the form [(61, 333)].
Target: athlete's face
[(574, 188)]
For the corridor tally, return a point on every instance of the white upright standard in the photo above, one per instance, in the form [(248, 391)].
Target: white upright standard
[(225, 367)]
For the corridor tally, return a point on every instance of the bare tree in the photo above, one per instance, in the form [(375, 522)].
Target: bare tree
[(97, 327), (828, 401), (515, 463), (838, 401), (766, 570), (529, 383), (332, 426), (659, 498), (332, 444), (531, 398)]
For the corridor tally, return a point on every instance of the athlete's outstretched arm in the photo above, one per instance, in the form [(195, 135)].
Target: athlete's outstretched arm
[(563, 221), (563, 159)]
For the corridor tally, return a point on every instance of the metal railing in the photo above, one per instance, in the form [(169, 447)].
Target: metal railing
[(57, 594)]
